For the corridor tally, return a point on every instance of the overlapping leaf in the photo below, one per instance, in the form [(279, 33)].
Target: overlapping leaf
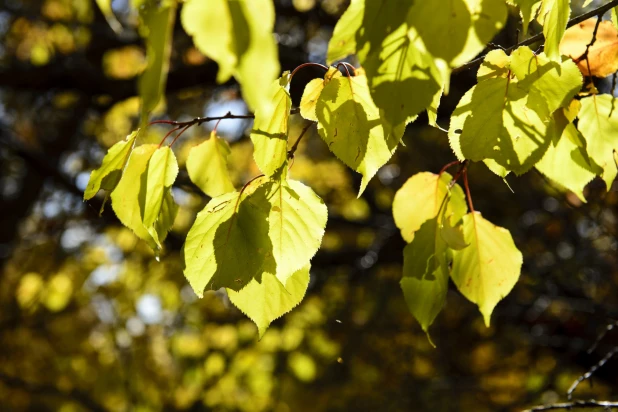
[(126, 203), (351, 125), (271, 227), (108, 175), (207, 166), (420, 198), (267, 300), (598, 123), (486, 270), (602, 57), (270, 129), (238, 35), (156, 184), (554, 16), (312, 93)]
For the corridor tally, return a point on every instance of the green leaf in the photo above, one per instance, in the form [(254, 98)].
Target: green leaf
[(565, 163), (350, 124), (486, 270), (238, 35), (614, 16), (456, 31), (496, 120), (266, 301), (312, 92), (207, 166), (432, 110), (420, 199), (272, 227), (452, 235), (108, 174), (343, 42), (425, 274), (495, 64), (598, 123), (527, 10), (270, 129), (157, 26), (158, 179), (126, 202), (554, 15)]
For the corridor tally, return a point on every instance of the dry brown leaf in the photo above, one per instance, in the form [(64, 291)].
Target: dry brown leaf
[(603, 54)]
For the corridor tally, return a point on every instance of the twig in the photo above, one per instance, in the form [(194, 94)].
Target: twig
[(295, 145), (608, 329), (576, 404), (200, 120), (591, 371), (447, 166), (539, 37), (467, 187)]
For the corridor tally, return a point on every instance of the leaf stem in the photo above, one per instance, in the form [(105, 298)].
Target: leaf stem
[(178, 135), (447, 166), (307, 65), (295, 145), (169, 133), (467, 187)]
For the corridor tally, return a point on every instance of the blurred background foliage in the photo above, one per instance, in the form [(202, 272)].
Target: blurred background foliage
[(89, 320)]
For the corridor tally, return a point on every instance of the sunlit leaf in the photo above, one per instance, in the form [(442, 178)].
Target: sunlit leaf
[(495, 64), (452, 235), (125, 198), (602, 55), (565, 162), (527, 10), (598, 123), (238, 35), (270, 129), (272, 227), (267, 300), (420, 199), (554, 16), (486, 270), (207, 166), (158, 179), (350, 124), (108, 174), (312, 92), (343, 42), (157, 26), (432, 110)]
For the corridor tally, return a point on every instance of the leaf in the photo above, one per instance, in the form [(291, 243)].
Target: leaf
[(266, 301), (554, 16), (425, 274), (614, 15), (598, 123), (207, 166), (238, 35), (527, 9), (312, 92), (456, 31), (565, 163), (157, 26), (420, 199), (452, 235), (495, 64), (602, 55), (272, 227), (350, 124), (270, 129), (432, 110), (496, 120), (486, 270), (125, 198), (106, 10), (343, 42), (108, 174), (156, 181)]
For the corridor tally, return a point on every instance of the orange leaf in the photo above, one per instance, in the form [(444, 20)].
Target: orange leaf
[(602, 55)]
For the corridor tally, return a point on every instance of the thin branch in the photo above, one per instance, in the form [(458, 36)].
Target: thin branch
[(591, 371), (608, 328), (447, 166), (295, 145), (599, 11), (200, 120), (576, 404)]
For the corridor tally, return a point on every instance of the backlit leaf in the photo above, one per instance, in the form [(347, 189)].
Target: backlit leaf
[(527, 10), (554, 16), (125, 198), (312, 92), (598, 123), (156, 182), (420, 199), (270, 129), (350, 124), (157, 26), (452, 235), (207, 166), (238, 35), (267, 300), (486, 270), (108, 174)]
